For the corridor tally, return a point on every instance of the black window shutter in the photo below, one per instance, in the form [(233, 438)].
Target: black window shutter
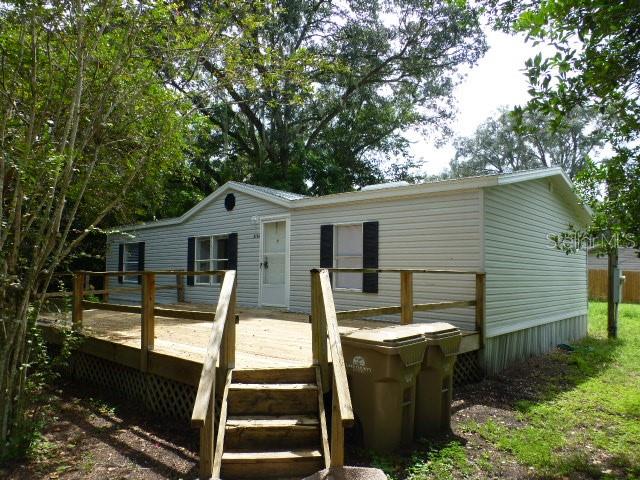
[(370, 256), (191, 259), (232, 251), (120, 261), (140, 260), (326, 247)]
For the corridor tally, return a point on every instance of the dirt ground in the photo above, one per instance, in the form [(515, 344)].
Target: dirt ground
[(91, 436)]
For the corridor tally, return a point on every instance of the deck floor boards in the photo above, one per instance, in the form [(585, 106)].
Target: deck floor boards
[(265, 338)]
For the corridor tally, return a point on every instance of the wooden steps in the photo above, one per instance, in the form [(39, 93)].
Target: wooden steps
[(272, 427), (245, 432), (271, 464)]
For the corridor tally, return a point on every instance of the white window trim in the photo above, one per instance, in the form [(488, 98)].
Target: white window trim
[(213, 279), (335, 255), (130, 278)]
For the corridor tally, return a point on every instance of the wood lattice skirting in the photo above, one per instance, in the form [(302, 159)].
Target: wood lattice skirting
[(467, 369), (159, 395)]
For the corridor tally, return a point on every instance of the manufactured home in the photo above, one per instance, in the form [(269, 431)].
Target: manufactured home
[(536, 295)]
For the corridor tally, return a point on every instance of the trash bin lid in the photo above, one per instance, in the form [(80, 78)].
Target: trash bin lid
[(408, 344), (392, 336), (434, 331)]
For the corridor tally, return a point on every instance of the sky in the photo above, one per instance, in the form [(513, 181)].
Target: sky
[(498, 80)]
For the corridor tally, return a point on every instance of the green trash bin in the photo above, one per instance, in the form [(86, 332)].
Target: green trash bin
[(434, 388), (382, 365)]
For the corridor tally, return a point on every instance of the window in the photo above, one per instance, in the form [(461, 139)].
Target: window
[(131, 261), (348, 254), (212, 253)]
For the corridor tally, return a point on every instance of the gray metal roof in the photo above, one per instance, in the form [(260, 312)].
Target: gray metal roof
[(273, 192)]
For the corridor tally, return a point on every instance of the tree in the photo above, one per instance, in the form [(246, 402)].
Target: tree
[(529, 140), (596, 65), (85, 123), (326, 88)]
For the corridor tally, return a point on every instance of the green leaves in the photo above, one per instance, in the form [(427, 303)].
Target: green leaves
[(312, 87)]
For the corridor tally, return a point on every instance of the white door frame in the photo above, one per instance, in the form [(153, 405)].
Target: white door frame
[(287, 261)]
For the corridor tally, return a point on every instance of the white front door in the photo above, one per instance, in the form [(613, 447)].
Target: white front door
[(274, 263)]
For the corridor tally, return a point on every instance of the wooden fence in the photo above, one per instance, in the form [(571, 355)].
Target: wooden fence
[(598, 285)]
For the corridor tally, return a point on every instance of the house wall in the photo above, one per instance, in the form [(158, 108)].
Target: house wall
[(438, 230), (536, 294), (166, 248), (628, 260)]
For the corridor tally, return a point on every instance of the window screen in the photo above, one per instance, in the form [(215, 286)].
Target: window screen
[(131, 259), (212, 253)]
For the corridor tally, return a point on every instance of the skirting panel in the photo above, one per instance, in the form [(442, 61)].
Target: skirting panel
[(467, 369), (157, 394), (504, 350)]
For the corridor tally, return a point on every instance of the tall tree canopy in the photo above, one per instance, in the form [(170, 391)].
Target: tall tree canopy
[(326, 88), (511, 142), (86, 125)]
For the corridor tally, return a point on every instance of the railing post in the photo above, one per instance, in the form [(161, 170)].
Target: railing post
[(228, 345), (180, 287), (105, 287), (147, 317), (406, 297), (78, 296), (480, 299), (207, 445), (319, 330), (337, 431)]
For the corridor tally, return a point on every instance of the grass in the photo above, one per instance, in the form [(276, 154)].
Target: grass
[(588, 417), (446, 462)]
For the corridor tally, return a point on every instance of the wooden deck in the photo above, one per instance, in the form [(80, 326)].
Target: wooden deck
[(265, 338)]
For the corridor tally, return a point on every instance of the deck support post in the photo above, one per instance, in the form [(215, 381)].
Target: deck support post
[(78, 295), (147, 317), (337, 431), (480, 300), (319, 331), (180, 287), (207, 444), (406, 298)]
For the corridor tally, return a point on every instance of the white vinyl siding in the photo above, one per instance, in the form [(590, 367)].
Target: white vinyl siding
[(348, 254), (529, 282), (628, 260), (166, 248), (435, 230)]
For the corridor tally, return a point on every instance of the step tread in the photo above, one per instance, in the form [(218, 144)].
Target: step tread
[(272, 421), (273, 386), (303, 454)]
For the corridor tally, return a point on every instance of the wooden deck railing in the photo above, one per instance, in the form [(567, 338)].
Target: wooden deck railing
[(407, 306), (324, 329), (147, 308), (82, 282), (221, 351)]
